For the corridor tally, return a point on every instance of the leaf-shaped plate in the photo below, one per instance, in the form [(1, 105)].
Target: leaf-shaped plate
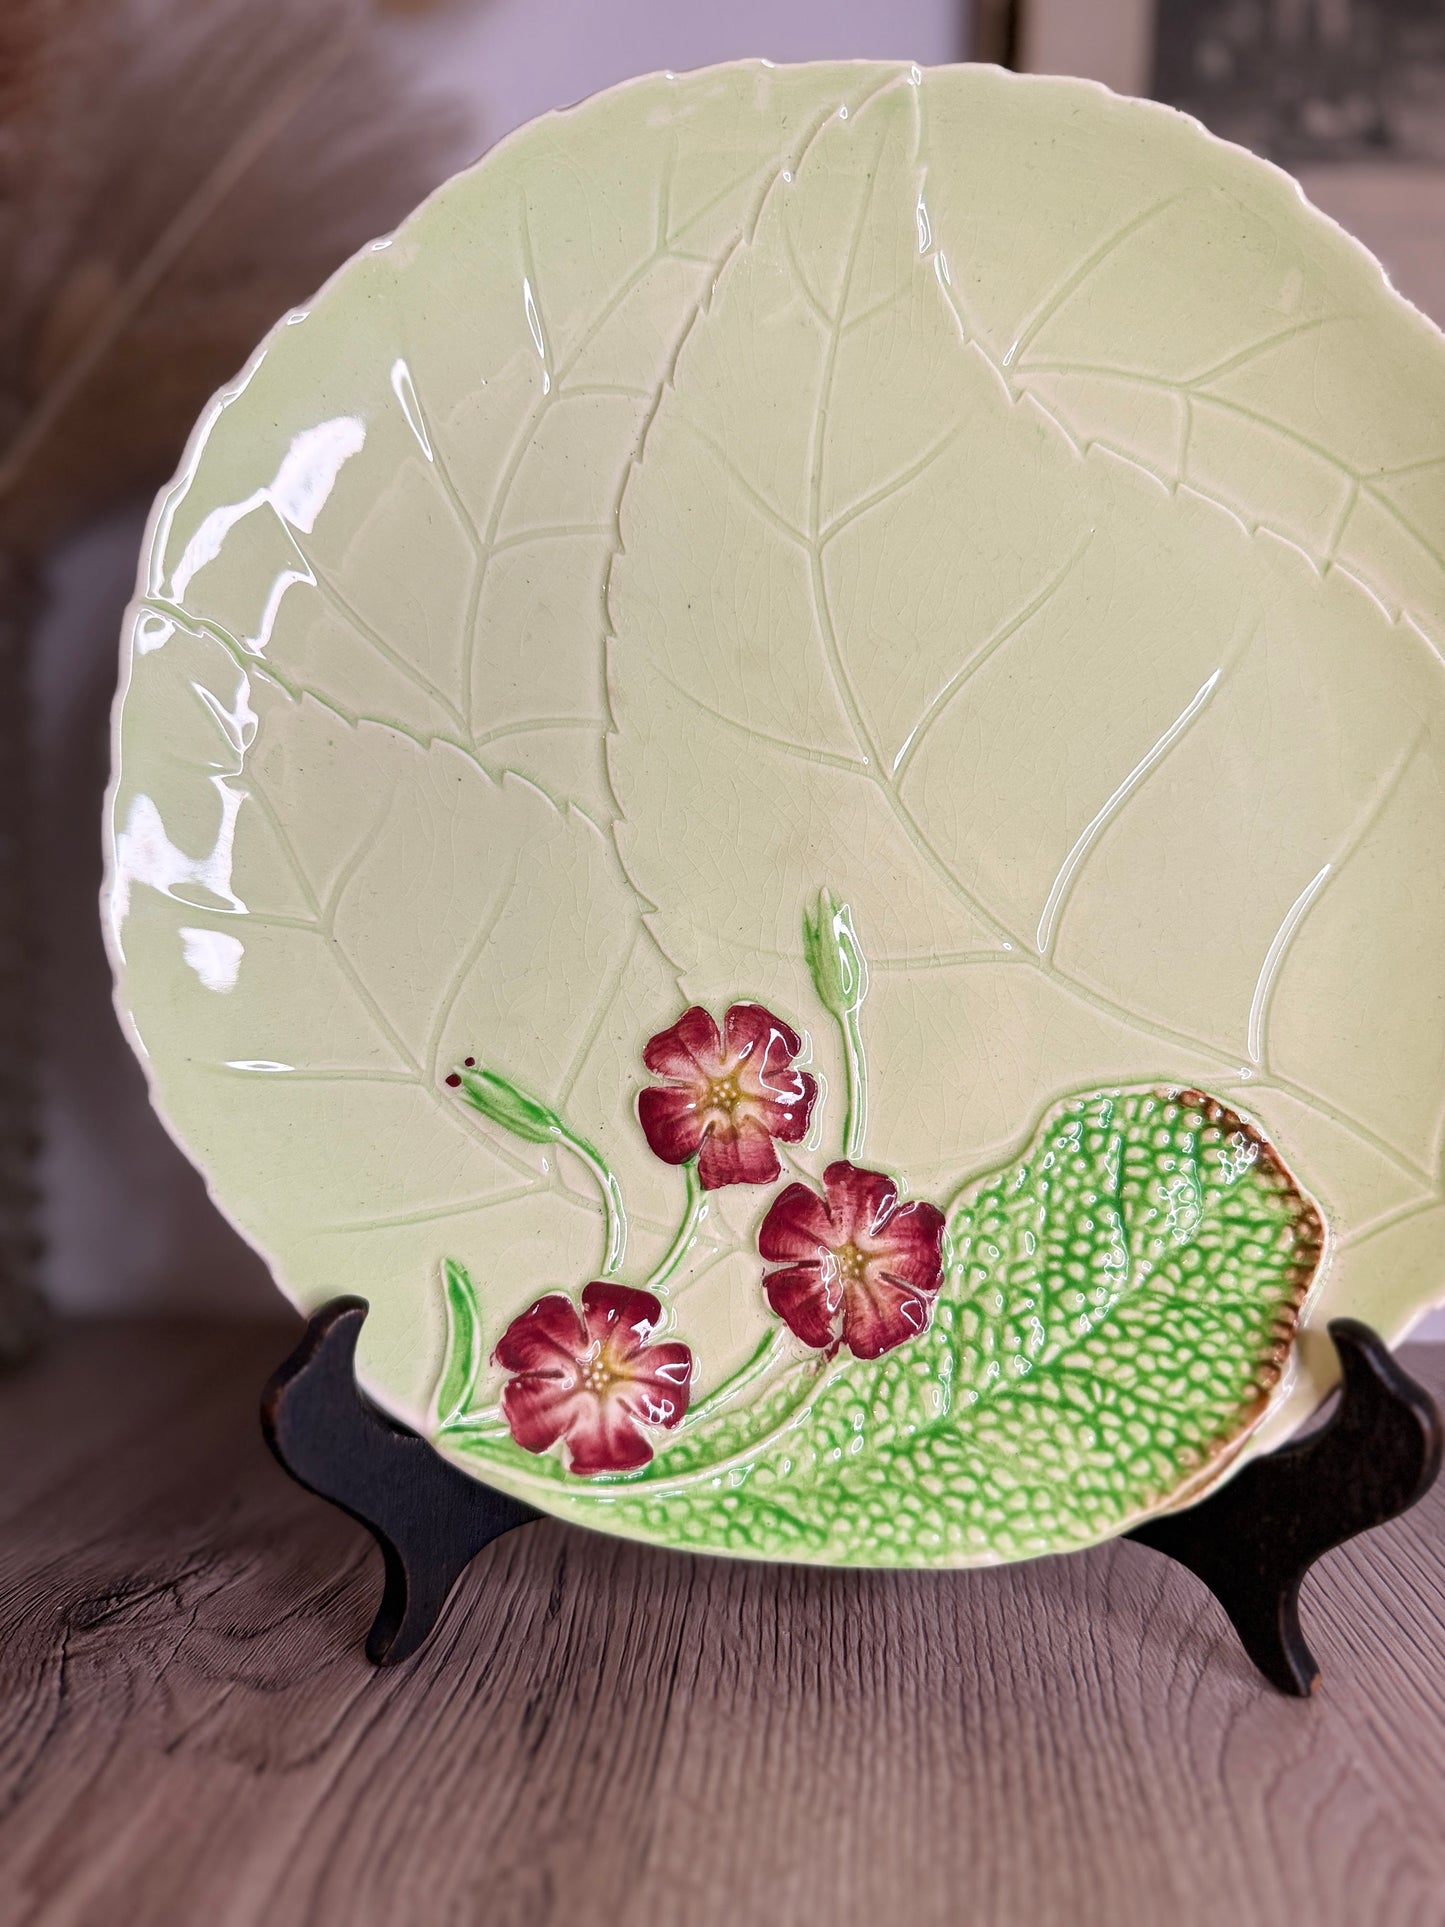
[(779, 778)]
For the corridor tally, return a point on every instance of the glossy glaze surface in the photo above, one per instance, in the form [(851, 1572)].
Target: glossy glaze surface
[(942, 559)]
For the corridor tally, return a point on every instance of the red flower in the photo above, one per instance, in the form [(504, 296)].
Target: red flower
[(727, 1097), (592, 1378), (857, 1268)]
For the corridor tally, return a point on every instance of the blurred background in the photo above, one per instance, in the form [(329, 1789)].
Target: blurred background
[(176, 173)]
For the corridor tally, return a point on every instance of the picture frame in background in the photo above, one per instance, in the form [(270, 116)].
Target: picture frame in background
[(1107, 40), (1348, 95)]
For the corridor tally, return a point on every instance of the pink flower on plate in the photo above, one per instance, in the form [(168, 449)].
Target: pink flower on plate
[(855, 1267), (592, 1378), (728, 1094)]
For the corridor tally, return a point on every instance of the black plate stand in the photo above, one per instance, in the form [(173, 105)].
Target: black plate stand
[(1251, 1543), (429, 1519)]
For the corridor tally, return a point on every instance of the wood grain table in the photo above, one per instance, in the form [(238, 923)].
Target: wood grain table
[(601, 1733)]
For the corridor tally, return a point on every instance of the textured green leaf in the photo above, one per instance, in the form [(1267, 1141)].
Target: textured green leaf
[(1118, 1310)]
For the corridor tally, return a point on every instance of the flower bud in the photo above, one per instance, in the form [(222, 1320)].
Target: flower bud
[(500, 1101), (835, 957)]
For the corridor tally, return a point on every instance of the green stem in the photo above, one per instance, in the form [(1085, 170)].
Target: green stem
[(855, 1119), (817, 1374), (693, 1211), (485, 1419), (766, 1352), (839, 970), (611, 1192)]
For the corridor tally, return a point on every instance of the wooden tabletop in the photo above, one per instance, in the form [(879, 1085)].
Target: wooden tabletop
[(601, 1733)]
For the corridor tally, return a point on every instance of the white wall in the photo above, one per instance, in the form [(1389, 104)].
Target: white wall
[(1108, 40), (528, 55)]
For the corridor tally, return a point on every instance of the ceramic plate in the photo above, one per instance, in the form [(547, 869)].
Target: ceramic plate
[(779, 780)]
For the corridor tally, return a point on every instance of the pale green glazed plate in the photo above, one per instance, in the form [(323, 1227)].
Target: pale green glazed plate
[(938, 574)]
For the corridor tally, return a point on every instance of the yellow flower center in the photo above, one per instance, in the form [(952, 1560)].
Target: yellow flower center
[(598, 1375), (724, 1091), (850, 1261)]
